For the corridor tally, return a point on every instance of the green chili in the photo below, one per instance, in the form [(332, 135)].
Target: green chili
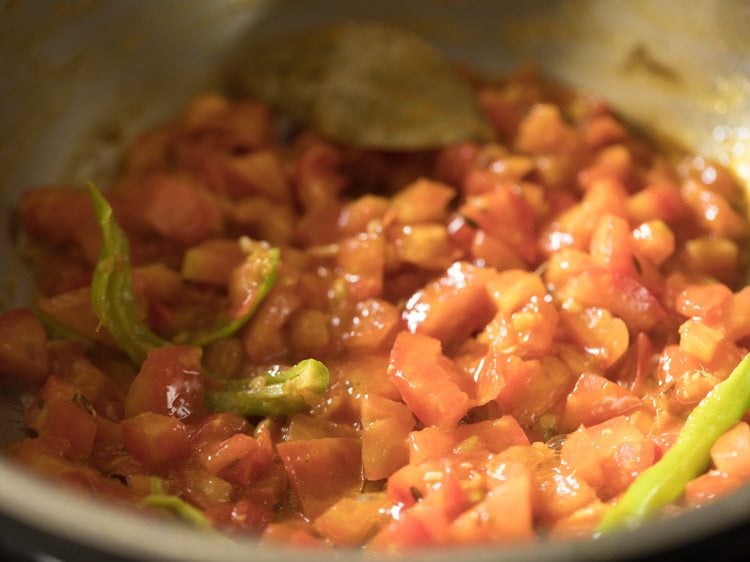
[(665, 481), (113, 297), (112, 294), (274, 393)]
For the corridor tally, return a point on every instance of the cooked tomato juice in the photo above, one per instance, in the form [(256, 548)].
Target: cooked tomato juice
[(504, 334)]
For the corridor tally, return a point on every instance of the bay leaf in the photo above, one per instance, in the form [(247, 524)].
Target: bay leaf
[(367, 84)]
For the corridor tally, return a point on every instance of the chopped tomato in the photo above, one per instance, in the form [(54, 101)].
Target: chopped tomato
[(731, 452), (595, 399), (427, 380), (155, 439), (322, 471), (23, 353), (452, 307), (169, 383), (386, 426)]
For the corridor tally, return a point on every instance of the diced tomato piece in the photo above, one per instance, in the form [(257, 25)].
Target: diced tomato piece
[(575, 226), (69, 420), (561, 491), (60, 215), (710, 486), (427, 380), (352, 521), (362, 257), (504, 214), (180, 209), (169, 383), (286, 535), (44, 455), (658, 201), (316, 174), (73, 308), (155, 440), (455, 161), (708, 302), (488, 376), (494, 435), (608, 456), (731, 452), (595, 399), (700, 340), (322, 471), (601, 334), (621, 294), (373, 325), (386, 426), (363, 374), (611, 244), (262, 338), (258, 172), (712, 211), (212, 261), (452, 307), (491, 520), (356, 215), (23, 347), (108, 431), (425, 245), (424, 200), (528, 332), (408, 532), (533, 388), (494, 252), (430, 443), (581, 523), (443, 501), (654, 240), (216, 427), (303, 427), (228, 451)]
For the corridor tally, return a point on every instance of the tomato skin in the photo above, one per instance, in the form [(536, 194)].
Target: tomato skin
[(427, 379), (23, 353), (321, 471), (155, 440), (168, 383)]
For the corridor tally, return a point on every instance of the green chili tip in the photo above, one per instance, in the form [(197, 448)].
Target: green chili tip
[(665, 481), (275, 393)]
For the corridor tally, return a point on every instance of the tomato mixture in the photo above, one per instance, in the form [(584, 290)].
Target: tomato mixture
[(276, 335)]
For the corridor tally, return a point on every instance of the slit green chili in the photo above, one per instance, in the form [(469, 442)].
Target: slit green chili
[(665, 481), (274, 393), (112, 294), (114, 301), (175, 505)]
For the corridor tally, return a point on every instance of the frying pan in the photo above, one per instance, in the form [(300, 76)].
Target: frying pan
[(79, 78)]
